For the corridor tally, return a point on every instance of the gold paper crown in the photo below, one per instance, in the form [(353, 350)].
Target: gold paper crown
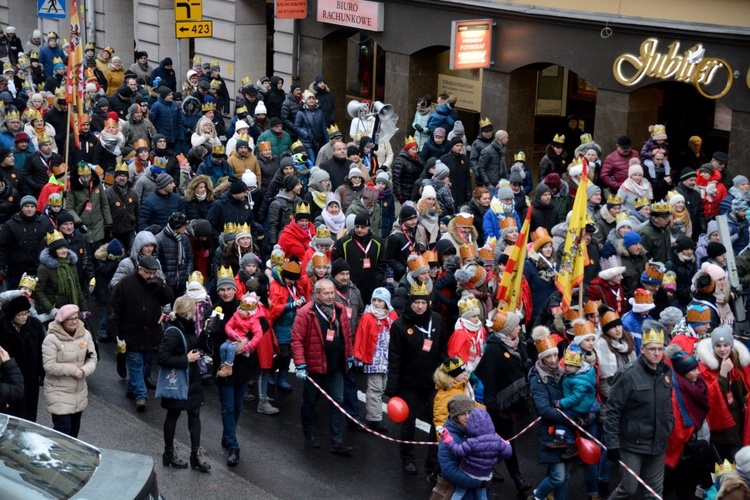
[(653, 336), (213, 62), (419, 289), (248, 306), (591, 307), (291, 266), (409, 139), (614, 200), (243, 228), (642, 296), (42, 138), (721, 469), (559, 138), (109, 49), (520, 156), (55, 235), (219, 150), (572, 357), (586, 138), (209, 106), (693, 315), (430, 256), (671, 193), (160, 162), (464, 219), (450, 365), (55, 200), (302, 208), (670, 278), (572, 314), (22, 60), (33, 114), (658, 130), (296, 144), (215, 84), (60, 92), (141, 143), (322, 232), (28, 282), (467, 252), (90, 46), (485, 122), (224, 272), (320, 259), (241, 109), (196, 276), (65, 41), (51, 34), (277, 256), (121, 167), (230, 227), (508, 222), (466, 304), (660, 207), (89, 73), (332, 129), (13, 115), (582, 328), (197, 59), (487, 254), (609, 317), (654, 272), (57, 60), (111, 123), (416, 262), (7, 66), (246, 80), (84, 168), (641, 202), (34, 55)]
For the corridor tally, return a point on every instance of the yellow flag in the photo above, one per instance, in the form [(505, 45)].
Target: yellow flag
[(573, 262)]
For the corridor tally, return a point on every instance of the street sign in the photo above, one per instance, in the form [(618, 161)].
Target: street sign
[(51, 9), (188, 10), (194, 29)]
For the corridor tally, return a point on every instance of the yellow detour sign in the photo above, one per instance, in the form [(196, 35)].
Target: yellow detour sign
[(194, 29), (188, 10)]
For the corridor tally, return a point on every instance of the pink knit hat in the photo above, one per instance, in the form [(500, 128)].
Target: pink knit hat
[(714, 271), (66, 312)]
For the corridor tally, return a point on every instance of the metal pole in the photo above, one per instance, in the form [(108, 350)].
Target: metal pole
[(179, 63), (741, 324)]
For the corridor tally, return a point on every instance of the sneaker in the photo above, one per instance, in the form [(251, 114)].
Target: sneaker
[(250, 397), (225, 370), (140, 405), (340, 449), (266, 408)]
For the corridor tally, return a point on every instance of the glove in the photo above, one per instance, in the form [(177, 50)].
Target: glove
[(613, 454), (92, 285), (83, 228), (349, 362), (302, 372), (107, 232), (297, 303), (85, 315), (53, 312), (418, 128), (556, 403), (446, 436)]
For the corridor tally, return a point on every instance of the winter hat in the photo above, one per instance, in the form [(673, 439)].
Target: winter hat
[(739, 205), (114, 247), (201, 227), (739, 179), (66, 312), (582, 329), (625, 221), (635, 169), (319, 79), (240, 125), (19, 137), (442, 172), (687, 174), (706, 168), (354, 171), (624, 141), (702, 282), (592, 190), (291, 269), (683, 243), (460, 404), (275, 121), (164, 92), (177, 220), (456, 140), (642, 300), (290, 182), (383, 177), (163, 180), (682, 362), (714, 249), (417, 265), (675, 199), (630, 239), (294, 87), (370, 192), (439, 131), (516, 174), (339, 265), (504, 322), (670, 316), (249, 258), (4, 153), (250, 179), (16, 305), (317, 176), (64, 217), (505, 193), (407, 212), (697, 315), (742, 460), (28, 199), (544, 343), (713, 270), (428, 192), (721, 334), (236, 187), (352, 150), (349, 222), (260, 109), (383, 294), (653, 274), (362, 219), (608, 318)]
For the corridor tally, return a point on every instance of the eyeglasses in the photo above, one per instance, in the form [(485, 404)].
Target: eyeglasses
[(654, 349)]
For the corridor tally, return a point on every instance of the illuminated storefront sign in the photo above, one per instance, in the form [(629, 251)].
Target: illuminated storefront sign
[(354, 13), (690, 67), (471, 42)]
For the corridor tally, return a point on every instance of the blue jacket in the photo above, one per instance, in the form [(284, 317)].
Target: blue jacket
[(491, 224), (579, 390), (738, 233), (156, 209), (167, 75), (545, 391), (311, 124), (632, 322), (541, 289), (449, 469), (167, 119), (215, 172), (443, 116), (46, 55)]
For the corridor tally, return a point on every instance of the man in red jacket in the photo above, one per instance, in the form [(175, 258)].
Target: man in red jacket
[(322, 346), (616, 164)]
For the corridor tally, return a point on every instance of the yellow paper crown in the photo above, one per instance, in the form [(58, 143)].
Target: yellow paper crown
[(467, 252), (670, 278), (245, 80), (658, 130), (243, 228), (55, 200), (197, 59), (33, 114), (230, 227), (660, 207), (65, 41), (42, 138), (249, 306), (614, 200), (466, 304), (88, 73), (109, 49), (332, 129), (196, 276), (215, 84), (22, 61), (84, 168), (241, 109), (13, 115), (559, 138), (653, 336), (320, 259), (419, 289), (296, 144), (121, 167), (90, 46), (57, 60), (28, 282), (219, 150), (34, 55), (416, 262), (582, 328), (322, 232), (520, 156), (292, 266), (55, 235), (721, 469), (410, 139), (224, 272), (209, 106), (485, 122), (8, 65), (60, 92), (302, 208), (160, 162), (213, 62), (641, 202), (277, 256), (51, 34), (452, 364), (671, 193), (572, 358), (586, 138)]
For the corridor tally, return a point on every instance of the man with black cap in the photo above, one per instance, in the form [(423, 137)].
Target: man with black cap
[(121, 101), (716, 253), (37, 166), (248, 97), (12, 174), (337, 167), (75, 238), (460, 168), (146, 293), (655, 235), (616, 164), (21, 242), (99, 114), (719, 162), (167, 118), (175, 253), (201, 91), (280, 140), (283, 207), (407, 238), (693, 201), (232, 206), (289, 109), (124, 207), (166, 73), (157, 207), (365, 254)]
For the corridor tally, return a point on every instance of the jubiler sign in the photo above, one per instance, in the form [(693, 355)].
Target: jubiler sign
[(690, 67), (355, 13)]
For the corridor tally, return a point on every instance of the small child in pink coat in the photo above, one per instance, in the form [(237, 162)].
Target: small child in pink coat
[(246, 319)]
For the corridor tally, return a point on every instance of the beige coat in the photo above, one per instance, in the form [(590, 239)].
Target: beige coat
[(62, 356)]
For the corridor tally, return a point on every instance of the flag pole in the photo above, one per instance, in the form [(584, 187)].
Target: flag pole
[(580, 287), (67, 137)]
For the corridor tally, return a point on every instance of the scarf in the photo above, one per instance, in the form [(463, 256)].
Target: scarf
[(319, 198), (143, 67), (692, 400), (545, 371), (40, 130), (111, 142), (334, 222), (682, 217), (512, 343), (201, 197), (468, 325), (616, 354), (379, 313), (422, 320), (197, 295), (431, 222), (66, 281), (121, 190), (640, 190), (180, 257), (327, 310)]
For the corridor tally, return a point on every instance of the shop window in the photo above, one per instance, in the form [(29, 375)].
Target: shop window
[(365, 69), (551, 91)]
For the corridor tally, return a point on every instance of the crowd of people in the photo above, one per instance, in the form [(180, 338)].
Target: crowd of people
[(257, 242)]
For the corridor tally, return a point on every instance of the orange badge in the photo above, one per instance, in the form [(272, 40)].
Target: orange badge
[(117, 203), (81, 345), (130, 200), (666, 377), (96, 191), (246, 207), (385, 203), (10, 198), (410, 331), (507, 355)]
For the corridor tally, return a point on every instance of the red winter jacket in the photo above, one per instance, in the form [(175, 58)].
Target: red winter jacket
[(711, 203), (602, 291), (295, 241), (367, 335), (307, 338), (615, 169)]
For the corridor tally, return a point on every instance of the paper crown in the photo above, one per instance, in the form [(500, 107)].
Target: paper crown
[(246, 80), (416, 262), (508, 222), (660, 207), (42, 138), (55, 200), (302, 208), (55, 235), (224, 272), (721, 469), (248, 305), (34, 55), (410, 139), (614, 200), (240, 110), (51, 34), (160, 162), (13, 115), (243, 229), (277, 256), (610, 262), (28, 282), (109, 49), (658, 130), (485, 122), (467, 304), (196, 276), (57, 60), (111, 122), (60, 92), (609, 317), (230, 227), (431, 256), (655, 270), (543, 341), (558, 139), (591, 307), (90, 46), (583, 328), (572, 314), (621, 217), (292, 267), (464, 219), (539, 232), (453, 365), (467, 252), (65, 41), (296, 144), (698, 314), (586, 138), (83, 168), (641, 296), (213, 63), (322, 232), (8, 65), (671, 193), (670, 278), (419, 289), (653, 336), (141, 143), (122, 167), (520, 156), (572, 357), (487, 254), (333, 129), (219, 150), (206, 107), (320, 259), (197, 59), (88, 73), (32, 114), (641, 202), (215, 84)]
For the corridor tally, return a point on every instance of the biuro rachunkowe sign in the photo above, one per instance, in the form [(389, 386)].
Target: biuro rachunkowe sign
[(690, 66)]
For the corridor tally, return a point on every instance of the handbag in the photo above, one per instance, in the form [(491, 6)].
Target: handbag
[(443, 490), (173, 383)]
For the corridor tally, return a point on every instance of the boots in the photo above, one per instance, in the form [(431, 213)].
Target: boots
[(198, 460), (265, 407), (603, 487), (170, 458), (225, 370), (521, 485)]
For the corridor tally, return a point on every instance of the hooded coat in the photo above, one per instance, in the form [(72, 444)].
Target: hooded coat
[(406, 172), (483, 448), (167, 75), (280, 213), (545, 216), (128, 265), (47, 292), (289, 109), (167, 120), (195, 208), (89, 205)]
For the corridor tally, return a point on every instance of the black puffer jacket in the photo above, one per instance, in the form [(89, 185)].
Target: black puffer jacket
[(227, 209), (684, 272), (9, 200), (406, 171), (289, 109), (21, 242), (491, 165), (275, 98), (176, 262), (173, 354)]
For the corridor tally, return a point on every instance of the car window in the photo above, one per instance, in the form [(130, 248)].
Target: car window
[(43, 460)]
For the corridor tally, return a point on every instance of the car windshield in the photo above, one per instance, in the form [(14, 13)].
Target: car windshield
[(42, 460)]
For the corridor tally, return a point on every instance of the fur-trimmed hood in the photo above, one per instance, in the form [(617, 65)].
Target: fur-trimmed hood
[(190, 190), (52, 263), (604, 212), (705, 353), (453, 232), (101, 253)]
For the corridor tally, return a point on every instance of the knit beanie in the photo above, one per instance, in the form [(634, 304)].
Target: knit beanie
[(722, 334), (460, 404), (670, 316), (622, 223), (456, 140), (592, 190), (739, 179), (635, 169), (318, 175), (504, 322), (114, 247), (28, 200), (715, 249), (630, 239), (163, 180), (683, 243), (407, 212), (682, 362), (505, 193), (739, 205), (290, 182), (441, 171), (339, 265), (383, 294), (713, 227), (428, 192)]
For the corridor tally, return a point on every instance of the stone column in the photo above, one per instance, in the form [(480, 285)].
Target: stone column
[(611, 118), (739, 138), (495, 96), (520, 118)]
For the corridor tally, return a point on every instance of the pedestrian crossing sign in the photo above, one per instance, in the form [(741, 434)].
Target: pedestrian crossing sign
[(51, 9)]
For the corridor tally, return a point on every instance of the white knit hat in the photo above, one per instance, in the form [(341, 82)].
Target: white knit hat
[(428, 192), (742, 460)]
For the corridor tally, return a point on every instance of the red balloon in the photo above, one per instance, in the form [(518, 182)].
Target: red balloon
[(588, 451), (398, 410)]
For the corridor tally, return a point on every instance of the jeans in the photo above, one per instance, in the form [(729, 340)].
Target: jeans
[(556, 481), (231, 398), (227, 351), (460, 493), (333, 384), (67, 424), (351, 401), (649, 467), (139, 363), (605, 465)]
